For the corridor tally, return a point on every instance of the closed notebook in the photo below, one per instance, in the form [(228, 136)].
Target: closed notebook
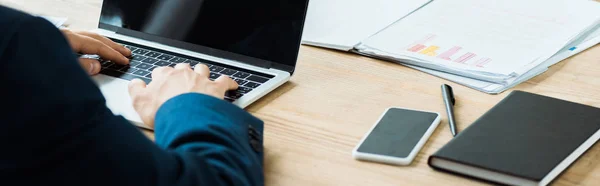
[(526, 139)]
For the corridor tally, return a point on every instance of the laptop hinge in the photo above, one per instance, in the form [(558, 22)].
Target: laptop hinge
[(281, 67)]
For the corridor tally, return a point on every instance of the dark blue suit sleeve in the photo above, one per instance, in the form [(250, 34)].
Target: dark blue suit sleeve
[(216, 137), (57, 130)]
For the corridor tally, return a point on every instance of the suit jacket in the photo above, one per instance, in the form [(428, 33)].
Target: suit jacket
[(57, 130)]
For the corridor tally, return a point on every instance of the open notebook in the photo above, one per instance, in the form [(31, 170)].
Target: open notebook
[(487, 45)]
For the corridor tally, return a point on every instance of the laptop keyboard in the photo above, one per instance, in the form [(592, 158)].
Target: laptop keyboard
[(143, 61)]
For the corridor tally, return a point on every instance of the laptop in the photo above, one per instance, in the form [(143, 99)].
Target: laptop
[(255, 42)]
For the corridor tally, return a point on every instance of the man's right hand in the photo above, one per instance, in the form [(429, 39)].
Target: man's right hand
[(169, 82)]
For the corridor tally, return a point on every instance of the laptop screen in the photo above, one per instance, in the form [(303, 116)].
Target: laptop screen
[(265, 29)]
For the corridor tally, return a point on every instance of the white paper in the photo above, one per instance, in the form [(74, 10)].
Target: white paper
[(492, 88), (56, 21), (494, 40), (342, 24)]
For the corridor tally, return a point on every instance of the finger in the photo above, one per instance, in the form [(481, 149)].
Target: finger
[(91, 66), (118, 47), (226, 83), (159, 72), (70, 37), (88, 45), (202, 69), (136, 87), (182, 66)]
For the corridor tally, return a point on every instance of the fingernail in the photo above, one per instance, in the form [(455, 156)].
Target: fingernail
[(91, 69), (127, 49)]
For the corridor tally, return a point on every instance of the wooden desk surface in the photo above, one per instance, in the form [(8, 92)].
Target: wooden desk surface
[(313, 122)]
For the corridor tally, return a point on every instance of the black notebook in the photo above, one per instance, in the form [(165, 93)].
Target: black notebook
[(526, 139)]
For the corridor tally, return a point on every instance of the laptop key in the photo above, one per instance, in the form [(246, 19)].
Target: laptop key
[(251, 85), (152, 54), (143, 66), (117, 67), (165, 57), (162, 63), (244, 90), (233, 94), (141, 73), (137, 57), (128, 77), (256, 78), (191, 62), (128, 69), (150, 60), (152, 68), (241, 75), (228, 72), (134, 63), (107, 64), (149, 75), (240, 82), (216, 69), (132, 48), (177, 60), (214, 76), (111, 72), (140, 51)]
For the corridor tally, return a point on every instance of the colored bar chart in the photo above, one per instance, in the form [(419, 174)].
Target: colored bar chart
[(448, 54), (482, 62), (416, 48), (424, 46), (430, 51), (465, 57), (421, 42)]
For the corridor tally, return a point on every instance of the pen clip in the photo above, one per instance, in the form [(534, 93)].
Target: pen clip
[(450, 93)]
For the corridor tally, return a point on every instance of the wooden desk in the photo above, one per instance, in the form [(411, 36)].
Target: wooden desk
[(313, 122)]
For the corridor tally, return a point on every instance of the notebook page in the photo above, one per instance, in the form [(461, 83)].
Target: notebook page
[(492, 36), (342, 24)]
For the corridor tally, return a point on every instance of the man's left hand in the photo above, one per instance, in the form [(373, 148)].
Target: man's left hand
[(95, 44)]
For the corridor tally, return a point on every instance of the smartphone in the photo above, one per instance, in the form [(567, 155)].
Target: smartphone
[(397, 137)]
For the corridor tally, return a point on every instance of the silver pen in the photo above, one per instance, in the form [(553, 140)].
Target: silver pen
[(449, 101)]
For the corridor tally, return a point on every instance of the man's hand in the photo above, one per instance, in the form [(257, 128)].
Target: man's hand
[(169, 82), (95, 44)]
